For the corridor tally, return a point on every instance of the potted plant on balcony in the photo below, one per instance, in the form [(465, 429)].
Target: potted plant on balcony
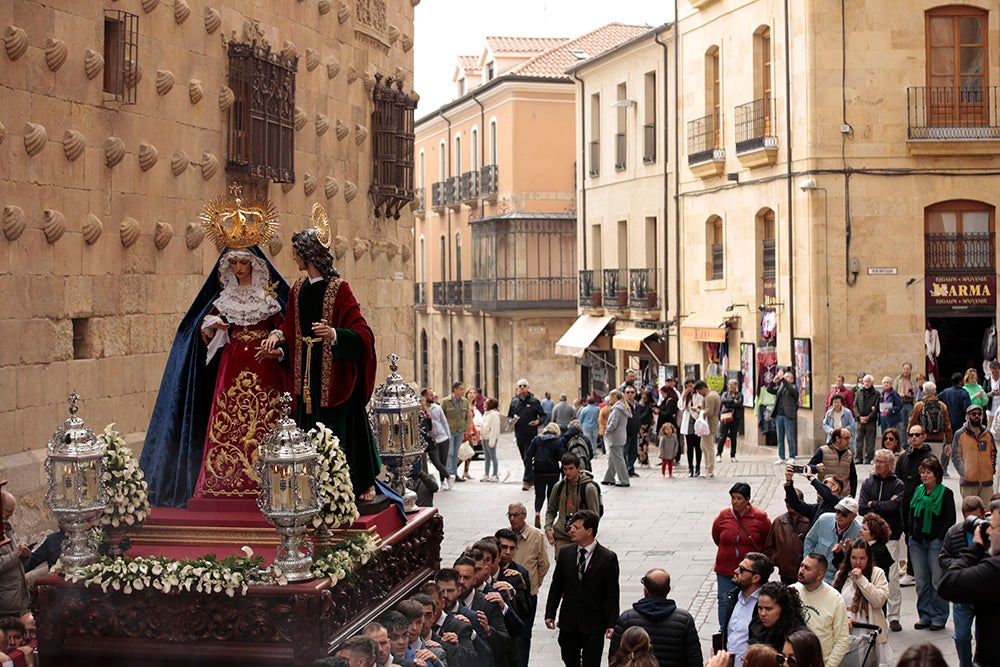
[(651, 298), (622, 295), (595, 296)]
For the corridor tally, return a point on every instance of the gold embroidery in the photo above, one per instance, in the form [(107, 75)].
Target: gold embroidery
[(243, 414), (246, 335), (329, 297)]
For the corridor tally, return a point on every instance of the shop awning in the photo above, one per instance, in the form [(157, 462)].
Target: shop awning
[(707, 327), (579, 336), (631, 339)]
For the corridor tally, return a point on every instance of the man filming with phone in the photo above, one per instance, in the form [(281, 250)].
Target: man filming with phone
[(835, 458)]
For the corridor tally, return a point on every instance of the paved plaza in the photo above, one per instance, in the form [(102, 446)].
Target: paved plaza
[(655, 523)]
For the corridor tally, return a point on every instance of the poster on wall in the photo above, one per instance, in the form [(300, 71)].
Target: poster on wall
[(747, 373), (803, 371)]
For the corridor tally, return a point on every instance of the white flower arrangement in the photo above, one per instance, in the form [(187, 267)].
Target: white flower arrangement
[(128, 502), (346, 555), (336, 493)]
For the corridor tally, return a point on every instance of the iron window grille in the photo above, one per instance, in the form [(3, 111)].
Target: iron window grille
[(392, 148), (121, 55), (261, 119)]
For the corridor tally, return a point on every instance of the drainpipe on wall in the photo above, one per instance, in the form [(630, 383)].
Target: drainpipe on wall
[(482, 213), (677, 187), (788, 184), (666, 180)]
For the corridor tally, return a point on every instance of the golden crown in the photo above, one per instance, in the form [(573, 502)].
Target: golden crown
[(234, 221)]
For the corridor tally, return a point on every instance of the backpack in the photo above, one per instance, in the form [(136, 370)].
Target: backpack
[(932, 417), (578, 446), (583, 494)]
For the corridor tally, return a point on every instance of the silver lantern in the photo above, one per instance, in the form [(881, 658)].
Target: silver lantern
[(289, 493), (395, 414), (76, 495)]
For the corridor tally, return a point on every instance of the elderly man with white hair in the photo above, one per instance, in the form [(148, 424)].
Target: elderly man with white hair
[(524, 415), (866, 408)]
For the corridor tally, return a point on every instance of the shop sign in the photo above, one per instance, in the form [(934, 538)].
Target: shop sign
[(961, 290)]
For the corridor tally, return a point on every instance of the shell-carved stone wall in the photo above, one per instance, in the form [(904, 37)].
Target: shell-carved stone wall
[(209, 165), (35, 138), (332, 68), (93, 63), (55, 53), (15, 42), (309, 184), (350, 191), (194, 234), (14, 222), (179, 162), (53, 224), (331, 187), (212, 20), (196, 90), (164, 81), (129, 232), (226, 98), (148, 155), (162, 235), (182, 10), (92, 229), (360, 248), (73, 144), (114, 151)]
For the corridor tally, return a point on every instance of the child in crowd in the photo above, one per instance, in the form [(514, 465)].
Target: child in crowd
[(668, 448)]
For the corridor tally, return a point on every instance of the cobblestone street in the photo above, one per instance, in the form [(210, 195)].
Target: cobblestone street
[(656, 523)]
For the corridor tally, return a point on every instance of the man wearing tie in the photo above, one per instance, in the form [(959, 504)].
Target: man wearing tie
[(586, 583)]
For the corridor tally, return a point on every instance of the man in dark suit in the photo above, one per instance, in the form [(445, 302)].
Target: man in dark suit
[(519, 580), (489, 613), (449, 584), (586, 583)]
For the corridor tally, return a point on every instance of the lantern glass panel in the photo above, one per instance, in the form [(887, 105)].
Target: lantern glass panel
[(66, 483), (90, 491), (305, 488), (281, 487)]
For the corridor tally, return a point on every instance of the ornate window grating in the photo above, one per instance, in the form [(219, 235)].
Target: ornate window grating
[(261, 119), (392, 148), (121, 55)]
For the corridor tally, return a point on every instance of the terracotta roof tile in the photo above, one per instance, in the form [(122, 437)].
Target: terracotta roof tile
[(553, 62), (468, 62), (500, 44)]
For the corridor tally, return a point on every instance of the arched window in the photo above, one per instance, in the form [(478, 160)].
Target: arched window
[(762, 81), (424, 365), (766, 234), (496, 370), (460, 349), (442, 161), (478, 365), (423, 261), (474, 149), (458, 155), (713, 93), (493, 142)]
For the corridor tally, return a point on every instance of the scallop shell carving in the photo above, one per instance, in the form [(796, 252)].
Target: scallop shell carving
[(288, 49), (360, 248), (55, 53), (342, 129), (73, 144), (3, 132), (114, 151), (394, 34), (350, 190), (324, 7), (209, 165), (339, 247), (53, 224), (300, 118), (343, 11), (312, 59), (330, 187), (226, 97), (212, 20), (35, 138), (195, 91), (92, 229), (149, 5), (406, 252), (309, 184), (164, 81), (368, 79), (15, 41), (332, 68), (275, 245), (406, 41), (132, 73), (193, 235), (148, 155), (287, 187), (179, 162), (400, 75), (161, 237), (129, 232), (322, 125), (182, 10), (93, 63), (360, 134), (352, 74), (391, 250), (414, 3), (375, 249), (14, 222)]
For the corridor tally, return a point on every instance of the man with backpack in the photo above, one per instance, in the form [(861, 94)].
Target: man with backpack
[(932, 414), (576, 491), (957, 399), (580, 444)]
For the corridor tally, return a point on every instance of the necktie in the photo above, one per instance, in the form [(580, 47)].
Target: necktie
[(581, 563)]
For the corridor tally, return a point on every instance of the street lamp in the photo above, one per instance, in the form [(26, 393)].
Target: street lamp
[(288, 496), (76, 495), (396, 420)]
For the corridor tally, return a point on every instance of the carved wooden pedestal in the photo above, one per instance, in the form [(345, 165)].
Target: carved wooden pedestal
[(270, 625)]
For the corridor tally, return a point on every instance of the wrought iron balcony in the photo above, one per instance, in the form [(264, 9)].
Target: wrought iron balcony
[(440, 293), (755, 126), (451, 191), (420, 294), (649, 143), (953, 112), (958, 254), (453, 294), (466, 292), (488, 182), (469, 188), (595, 159), (590, 293), (544, 293), (620, 151), (438, 201), (642, 292), (418, 200), (615, 288), (704, 137)]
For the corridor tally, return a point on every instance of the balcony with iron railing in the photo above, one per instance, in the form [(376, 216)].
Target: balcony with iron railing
[(420, 294), (469, 187), (959, 254), (488, 182), (541, 293), (452, 197), (642, 291), (621, 148), (649, 143), (756, 138), (615, 294), (953, 120), (439, 293), (595, 159), (418, 201), (438, 200), (589, 288), (706, 156)]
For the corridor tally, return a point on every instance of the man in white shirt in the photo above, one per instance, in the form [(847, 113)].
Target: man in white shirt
[(743, 623), (824, 609)]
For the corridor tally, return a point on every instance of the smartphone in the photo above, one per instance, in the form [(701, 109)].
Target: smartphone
[(795, 467), (717, 644)]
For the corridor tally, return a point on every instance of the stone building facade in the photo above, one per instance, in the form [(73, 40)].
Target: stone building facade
[(115, 128)]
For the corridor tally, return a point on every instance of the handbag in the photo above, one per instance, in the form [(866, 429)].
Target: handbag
[(726, 417), (465, 451), (701, 425)]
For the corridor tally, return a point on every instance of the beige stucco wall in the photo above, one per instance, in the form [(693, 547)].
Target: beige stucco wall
[(133, 297)]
